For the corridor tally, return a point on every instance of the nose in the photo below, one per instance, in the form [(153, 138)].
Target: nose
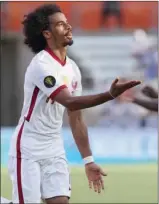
[(69, 27)]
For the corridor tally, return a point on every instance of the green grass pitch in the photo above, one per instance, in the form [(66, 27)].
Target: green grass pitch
[(124, 184)]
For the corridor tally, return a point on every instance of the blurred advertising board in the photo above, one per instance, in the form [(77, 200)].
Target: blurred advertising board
[(108, 145), (134, 14)]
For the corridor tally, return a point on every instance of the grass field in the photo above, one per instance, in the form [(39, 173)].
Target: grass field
[(124, 184)]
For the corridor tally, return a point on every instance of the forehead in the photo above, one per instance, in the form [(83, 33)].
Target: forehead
[(57, 17)]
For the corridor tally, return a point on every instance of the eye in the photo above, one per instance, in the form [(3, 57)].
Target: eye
[(61, 23)]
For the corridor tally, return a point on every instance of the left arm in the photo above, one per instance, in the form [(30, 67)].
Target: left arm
[(79, 130), (80, 133), (78, 127)]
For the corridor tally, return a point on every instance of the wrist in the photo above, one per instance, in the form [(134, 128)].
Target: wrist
[(88, 160), (112, 96), (109, 96)]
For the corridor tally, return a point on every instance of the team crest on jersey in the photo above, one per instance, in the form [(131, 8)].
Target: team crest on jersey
[(49, 81), (74, 84)]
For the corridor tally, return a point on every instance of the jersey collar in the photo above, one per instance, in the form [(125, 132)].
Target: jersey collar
[(55, 57)]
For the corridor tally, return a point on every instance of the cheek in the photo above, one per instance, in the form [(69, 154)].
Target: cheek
[(61, 31)]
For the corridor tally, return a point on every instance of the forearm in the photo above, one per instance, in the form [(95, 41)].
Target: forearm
[(80, 134), (149, 104), (82, 102)]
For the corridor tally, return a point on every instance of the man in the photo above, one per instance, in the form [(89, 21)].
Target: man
[(37, 164), (151, 103)]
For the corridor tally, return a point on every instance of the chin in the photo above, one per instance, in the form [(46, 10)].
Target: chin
[(68, 43)]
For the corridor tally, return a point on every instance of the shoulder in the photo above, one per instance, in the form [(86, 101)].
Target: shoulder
[(43, 57), (42, 61)]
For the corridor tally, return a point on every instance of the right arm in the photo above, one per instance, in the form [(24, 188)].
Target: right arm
[(73, 103), (50, 82), (82, 102)]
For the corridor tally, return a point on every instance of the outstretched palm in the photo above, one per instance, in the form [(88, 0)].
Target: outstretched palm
[(117, 89)]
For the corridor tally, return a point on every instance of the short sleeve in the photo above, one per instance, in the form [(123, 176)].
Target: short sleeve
[(47, 79), (78, 90)]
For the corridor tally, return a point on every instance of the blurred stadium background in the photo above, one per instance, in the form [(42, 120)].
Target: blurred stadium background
[(112, 39)]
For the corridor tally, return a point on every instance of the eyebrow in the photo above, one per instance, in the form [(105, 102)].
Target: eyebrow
[(61, 22)]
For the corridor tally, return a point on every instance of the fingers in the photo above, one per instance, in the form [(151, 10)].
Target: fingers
[(115, 81), (90, 184), (131, 84), (102, 183), (97, 185)]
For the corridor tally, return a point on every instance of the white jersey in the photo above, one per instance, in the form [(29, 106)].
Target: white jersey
[(38, 134)]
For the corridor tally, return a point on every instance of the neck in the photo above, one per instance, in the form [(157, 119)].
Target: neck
[(60, 52)]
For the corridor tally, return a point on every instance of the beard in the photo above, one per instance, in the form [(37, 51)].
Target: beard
[(69, 43)]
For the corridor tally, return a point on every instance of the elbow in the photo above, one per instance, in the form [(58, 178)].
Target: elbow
[(71, 109), (69, 104)]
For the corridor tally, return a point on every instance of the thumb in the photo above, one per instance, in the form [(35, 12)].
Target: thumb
[(115, 81), (103, 173)]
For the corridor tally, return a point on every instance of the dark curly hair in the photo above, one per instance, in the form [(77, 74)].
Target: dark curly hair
[(36, 22)]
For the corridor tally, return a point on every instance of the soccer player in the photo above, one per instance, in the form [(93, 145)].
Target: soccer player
[(151, 103), (37, 164)]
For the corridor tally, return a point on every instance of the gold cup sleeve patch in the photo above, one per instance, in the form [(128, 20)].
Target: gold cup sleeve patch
[(49, 81)]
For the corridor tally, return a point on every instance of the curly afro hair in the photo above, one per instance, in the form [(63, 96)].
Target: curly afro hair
[(35, 23)]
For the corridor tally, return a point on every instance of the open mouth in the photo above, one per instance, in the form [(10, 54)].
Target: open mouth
[(69, 35)]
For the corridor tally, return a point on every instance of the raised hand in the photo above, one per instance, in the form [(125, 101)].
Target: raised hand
[(117, 88)]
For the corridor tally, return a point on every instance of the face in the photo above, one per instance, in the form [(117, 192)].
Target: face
[(60, 31)]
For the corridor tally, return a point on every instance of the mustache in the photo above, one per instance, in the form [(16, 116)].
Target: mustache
[(68, 33)]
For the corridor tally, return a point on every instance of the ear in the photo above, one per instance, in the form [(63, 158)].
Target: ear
[(47, 34)]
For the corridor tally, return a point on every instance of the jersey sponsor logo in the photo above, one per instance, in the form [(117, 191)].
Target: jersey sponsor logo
[(49, 81)]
